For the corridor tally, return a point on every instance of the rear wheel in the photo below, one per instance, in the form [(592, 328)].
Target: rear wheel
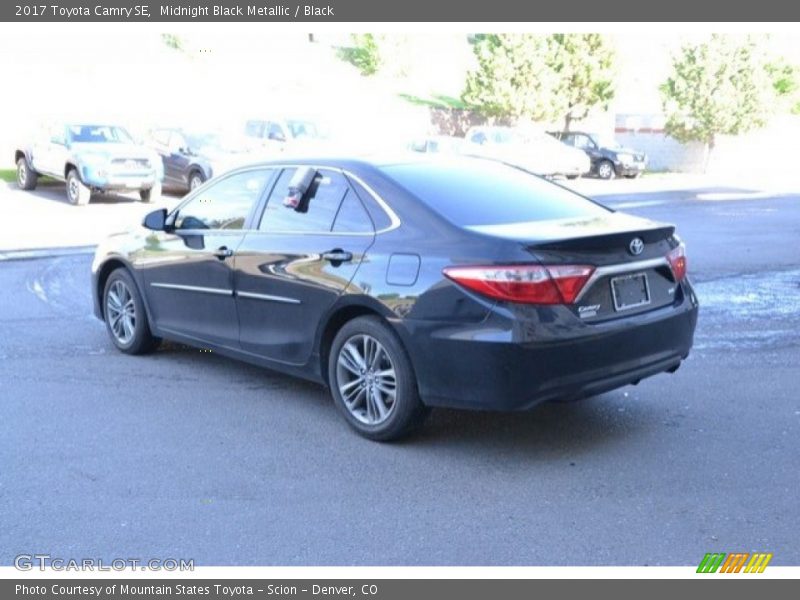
[(77, 193), (26, 177), (151, 195), (125, 317), (605, 170), (196, 179), (372, 381)]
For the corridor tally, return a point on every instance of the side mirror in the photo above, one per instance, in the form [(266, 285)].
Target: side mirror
[(156, 220)]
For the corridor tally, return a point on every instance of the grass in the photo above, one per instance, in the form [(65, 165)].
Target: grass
[(10, 176), (435, 101)]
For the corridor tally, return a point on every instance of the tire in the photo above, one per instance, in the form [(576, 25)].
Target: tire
[(196, 179), (125, 316), (572, 176), (605, 170), (395, 409), (77, 193), (27, 178), (152, 194)]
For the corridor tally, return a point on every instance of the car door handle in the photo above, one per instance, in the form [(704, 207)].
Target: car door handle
[(223, 252), (337, 256)]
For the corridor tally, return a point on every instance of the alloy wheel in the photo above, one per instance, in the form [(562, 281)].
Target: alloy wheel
[(22, 173), (121, 312), (366, 378)]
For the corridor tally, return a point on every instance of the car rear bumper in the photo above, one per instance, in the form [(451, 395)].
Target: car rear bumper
[(513, 364)]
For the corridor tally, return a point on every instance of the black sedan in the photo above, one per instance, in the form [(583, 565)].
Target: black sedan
[(405, 284)]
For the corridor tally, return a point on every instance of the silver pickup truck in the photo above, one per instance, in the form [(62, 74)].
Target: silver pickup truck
[(91, 158)]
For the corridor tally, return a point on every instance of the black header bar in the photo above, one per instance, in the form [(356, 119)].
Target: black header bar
[(471, 11)]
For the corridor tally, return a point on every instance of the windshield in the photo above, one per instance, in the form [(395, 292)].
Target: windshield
[(98, 134), (470, 192)]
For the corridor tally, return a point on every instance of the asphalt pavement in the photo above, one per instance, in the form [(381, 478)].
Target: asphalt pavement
[(186, 454)]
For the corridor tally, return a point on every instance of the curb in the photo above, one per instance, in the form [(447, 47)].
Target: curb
[(36, 253)]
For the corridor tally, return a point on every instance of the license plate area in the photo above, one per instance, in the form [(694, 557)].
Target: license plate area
[(630, 291)]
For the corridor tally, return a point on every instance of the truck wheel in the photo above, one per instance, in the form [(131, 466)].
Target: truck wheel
[(196, 179), (151, 195), (26, 177), (77, 193)]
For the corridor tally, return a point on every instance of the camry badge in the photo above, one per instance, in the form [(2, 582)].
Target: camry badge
[(636, 246)]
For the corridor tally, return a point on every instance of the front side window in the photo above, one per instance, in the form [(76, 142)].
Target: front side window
[(275, 132), (224, 204), (319, 207)]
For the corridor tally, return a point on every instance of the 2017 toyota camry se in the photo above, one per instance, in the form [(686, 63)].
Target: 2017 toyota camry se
[(405, 284)]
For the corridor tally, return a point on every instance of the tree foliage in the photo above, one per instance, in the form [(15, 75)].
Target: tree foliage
[(543, 78), (364, 54), (585, 67), (725, 85)]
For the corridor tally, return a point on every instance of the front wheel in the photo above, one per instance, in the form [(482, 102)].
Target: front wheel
[(125, 317), (605, 170), (26, 177), (372, 381), (152, 194), (77, 193)]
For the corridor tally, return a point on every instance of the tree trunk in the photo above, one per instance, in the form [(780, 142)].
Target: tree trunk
[(567, 121), (707, 150)]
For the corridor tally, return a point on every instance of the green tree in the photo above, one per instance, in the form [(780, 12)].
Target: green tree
[(543, 78), (723, 86), (512, 78), (364, 54), (584, 64)]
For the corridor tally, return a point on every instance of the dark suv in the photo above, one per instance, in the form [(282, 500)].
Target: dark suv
[(609, 159)]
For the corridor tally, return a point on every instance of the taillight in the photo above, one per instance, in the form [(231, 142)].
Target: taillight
[(528, 284), (677, 261)]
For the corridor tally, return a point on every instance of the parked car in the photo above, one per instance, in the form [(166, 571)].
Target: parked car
[(608, 158), (280, 133), (437, 144), (90, 158), (532, 150), (191, 157), (404, 285)]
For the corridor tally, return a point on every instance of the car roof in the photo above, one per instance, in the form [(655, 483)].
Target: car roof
[(368, 163)]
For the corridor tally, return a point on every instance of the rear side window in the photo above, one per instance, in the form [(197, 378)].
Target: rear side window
[(330, 189), (379, 218), (483, 192), (352, 218)]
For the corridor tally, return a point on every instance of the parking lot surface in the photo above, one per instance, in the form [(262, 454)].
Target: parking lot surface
[(189, 455)]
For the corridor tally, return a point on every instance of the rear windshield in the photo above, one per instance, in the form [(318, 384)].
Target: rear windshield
[(471, 192)]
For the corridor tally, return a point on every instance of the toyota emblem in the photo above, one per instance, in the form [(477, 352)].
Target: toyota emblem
[(636, 246)]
